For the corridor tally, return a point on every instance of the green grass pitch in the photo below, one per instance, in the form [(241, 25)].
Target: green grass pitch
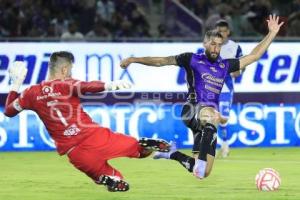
[(45, 176)]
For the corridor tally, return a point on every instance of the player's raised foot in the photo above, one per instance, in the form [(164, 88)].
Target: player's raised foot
[(155, 144), (166, 155), (113, 184)]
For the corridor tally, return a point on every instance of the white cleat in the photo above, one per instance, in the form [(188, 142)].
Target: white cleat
[(166, 155)]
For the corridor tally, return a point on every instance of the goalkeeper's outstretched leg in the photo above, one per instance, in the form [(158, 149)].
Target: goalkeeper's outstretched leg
[(92, 155)]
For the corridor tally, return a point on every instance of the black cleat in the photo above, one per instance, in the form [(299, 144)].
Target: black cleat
[(155, 144), (113, 184)]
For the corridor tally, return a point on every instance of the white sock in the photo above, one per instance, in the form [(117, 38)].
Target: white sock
[(199, 168)]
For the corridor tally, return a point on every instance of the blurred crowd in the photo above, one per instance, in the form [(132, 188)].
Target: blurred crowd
[(247, 17), (110, 19), (72, 19)]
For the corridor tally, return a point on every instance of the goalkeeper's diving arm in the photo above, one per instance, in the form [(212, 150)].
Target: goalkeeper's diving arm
[(11, 103), (17, 74)]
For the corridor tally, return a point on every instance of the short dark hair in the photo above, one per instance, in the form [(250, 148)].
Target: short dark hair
[(68, 56), (222, 23), (58, 57), (212, 34)]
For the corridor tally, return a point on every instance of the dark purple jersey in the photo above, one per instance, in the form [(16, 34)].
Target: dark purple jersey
[(205, 78)]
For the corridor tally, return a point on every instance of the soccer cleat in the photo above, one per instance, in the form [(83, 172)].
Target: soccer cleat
[(113, 184), (155, 144), (165, 155)]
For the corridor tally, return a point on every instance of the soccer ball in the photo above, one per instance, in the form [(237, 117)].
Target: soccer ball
[(267, 179)]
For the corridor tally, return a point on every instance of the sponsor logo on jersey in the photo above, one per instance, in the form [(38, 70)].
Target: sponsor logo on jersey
[(213, 69), (201, 62), (72, 130), (207, 76), (222, 65), (47, 89), (212, 89), (55, 94)]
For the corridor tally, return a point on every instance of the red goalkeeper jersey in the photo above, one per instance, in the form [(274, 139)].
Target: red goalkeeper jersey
[(57, 103)]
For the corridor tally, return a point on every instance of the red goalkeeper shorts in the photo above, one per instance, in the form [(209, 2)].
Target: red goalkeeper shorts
[(92, 154)]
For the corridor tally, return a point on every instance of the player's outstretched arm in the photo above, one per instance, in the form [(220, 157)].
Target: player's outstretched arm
[(150, 61), (83, 87), (258, 51), (17, 74)]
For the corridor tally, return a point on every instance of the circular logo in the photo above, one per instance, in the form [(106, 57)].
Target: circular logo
[(47, 89)]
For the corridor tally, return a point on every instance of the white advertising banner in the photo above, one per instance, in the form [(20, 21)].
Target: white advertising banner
[(277, 71)]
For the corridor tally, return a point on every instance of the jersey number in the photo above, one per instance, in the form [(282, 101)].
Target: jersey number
[(58, 112), (61, 117)]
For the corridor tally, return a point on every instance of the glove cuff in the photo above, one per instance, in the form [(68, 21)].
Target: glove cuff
[(108, 86), (15, 87)]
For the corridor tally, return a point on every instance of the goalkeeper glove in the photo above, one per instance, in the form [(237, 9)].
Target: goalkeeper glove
[(117, 85), (17, 74)]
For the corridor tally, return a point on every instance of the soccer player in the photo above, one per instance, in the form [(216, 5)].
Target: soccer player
[(205, 76), (229, 49), (57, 103)]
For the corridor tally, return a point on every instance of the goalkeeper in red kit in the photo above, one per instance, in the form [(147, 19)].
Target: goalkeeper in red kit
[(87, 145)]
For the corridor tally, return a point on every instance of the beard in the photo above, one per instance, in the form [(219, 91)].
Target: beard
[(210, 57)]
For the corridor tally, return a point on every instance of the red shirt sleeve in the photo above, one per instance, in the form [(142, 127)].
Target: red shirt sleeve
[(15, 103), (82, 87), (25, 99), (10, 109)]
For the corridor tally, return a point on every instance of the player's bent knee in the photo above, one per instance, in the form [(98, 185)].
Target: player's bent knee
[(208, 115)]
